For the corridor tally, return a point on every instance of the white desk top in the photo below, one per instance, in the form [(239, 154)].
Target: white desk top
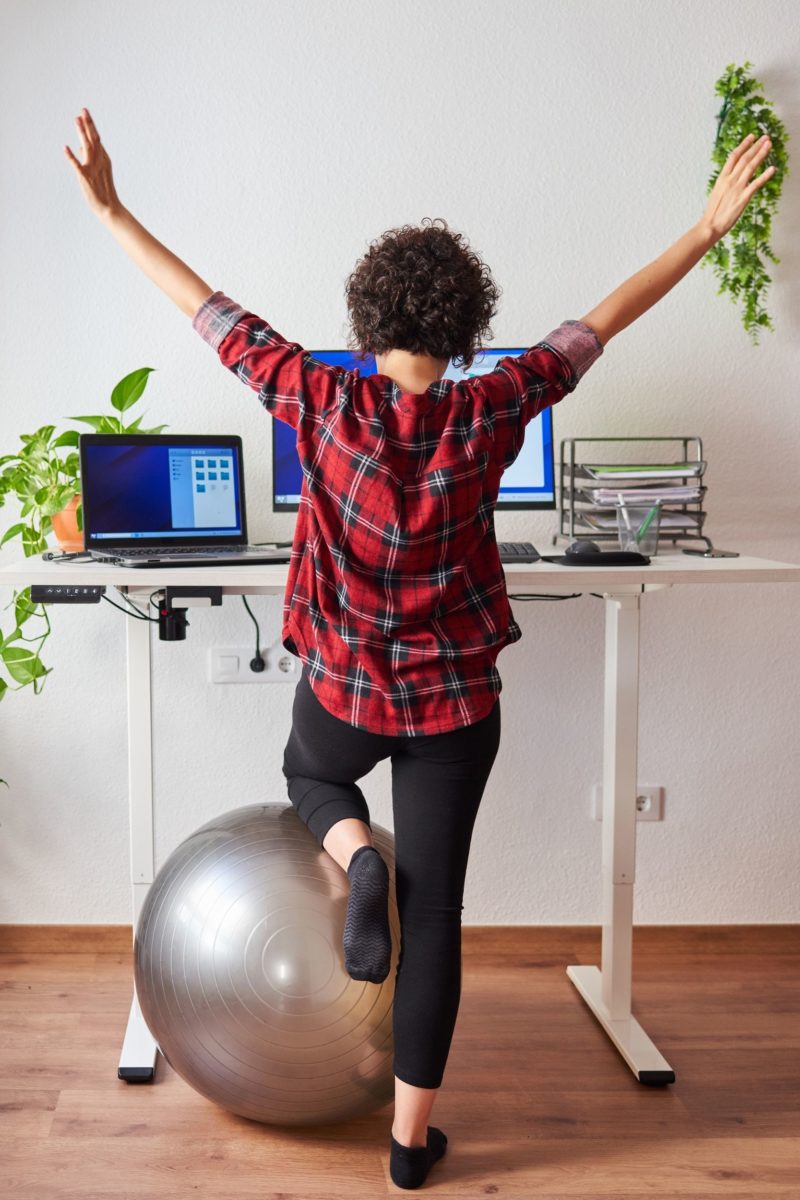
[(664, 570)]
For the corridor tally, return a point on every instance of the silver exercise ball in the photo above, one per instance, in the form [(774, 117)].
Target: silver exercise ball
[(240, 974)]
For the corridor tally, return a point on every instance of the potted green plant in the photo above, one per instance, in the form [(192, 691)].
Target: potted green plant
[(44, 477), (736, 258)]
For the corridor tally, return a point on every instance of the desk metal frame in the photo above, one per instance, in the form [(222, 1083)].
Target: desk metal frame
[(606, 989)]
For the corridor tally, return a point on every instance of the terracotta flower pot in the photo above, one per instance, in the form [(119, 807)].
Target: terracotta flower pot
[(65, 527)]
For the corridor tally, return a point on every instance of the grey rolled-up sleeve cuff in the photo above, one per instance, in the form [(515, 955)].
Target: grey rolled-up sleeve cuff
[(578, 345), (216, 317)]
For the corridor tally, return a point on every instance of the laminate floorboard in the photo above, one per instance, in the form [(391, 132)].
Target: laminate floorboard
[(536, 1101)]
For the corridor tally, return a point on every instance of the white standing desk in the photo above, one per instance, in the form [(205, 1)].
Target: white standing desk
[(607, 989)]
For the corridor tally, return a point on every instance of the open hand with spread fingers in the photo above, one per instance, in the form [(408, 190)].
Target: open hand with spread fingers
[(734, 186), (94, 175)]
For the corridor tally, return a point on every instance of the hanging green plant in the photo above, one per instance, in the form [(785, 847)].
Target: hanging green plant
[(737, 258)]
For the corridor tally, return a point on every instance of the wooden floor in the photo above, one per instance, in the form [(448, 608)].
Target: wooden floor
[(536, 1102)]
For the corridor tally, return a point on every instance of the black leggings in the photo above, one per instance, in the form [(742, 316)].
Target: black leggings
[(437, 785)]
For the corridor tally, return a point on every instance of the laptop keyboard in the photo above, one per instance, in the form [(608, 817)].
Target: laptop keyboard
[(509, 551), (155, 551)]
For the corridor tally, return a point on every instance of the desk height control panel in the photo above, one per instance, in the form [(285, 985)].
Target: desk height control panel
[(61, 593)]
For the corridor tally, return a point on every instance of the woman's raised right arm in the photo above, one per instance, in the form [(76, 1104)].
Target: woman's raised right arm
[(728, 199)]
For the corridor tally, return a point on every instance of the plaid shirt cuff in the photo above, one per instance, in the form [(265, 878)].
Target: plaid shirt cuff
[(216, 317), (577, 344)]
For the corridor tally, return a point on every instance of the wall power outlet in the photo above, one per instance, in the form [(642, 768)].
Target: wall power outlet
[(649, 802), (232, 664)]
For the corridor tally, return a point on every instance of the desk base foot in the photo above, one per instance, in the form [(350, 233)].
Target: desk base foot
[(639, 1052), (137, 1062), (136, 1074)]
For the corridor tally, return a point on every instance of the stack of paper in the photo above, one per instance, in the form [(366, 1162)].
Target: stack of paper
[(667, 520), (631, 471), (667, 495)]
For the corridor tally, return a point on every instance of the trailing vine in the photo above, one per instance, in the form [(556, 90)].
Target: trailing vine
[(737, 258)]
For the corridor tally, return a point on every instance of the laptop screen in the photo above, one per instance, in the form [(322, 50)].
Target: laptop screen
[(157, 490)]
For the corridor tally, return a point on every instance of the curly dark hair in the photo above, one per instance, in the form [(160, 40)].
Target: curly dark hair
[(421, 289)]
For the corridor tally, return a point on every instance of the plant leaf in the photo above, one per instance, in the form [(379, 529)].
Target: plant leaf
[(12, 531), (130, 388), (93, 421), (23, 665)]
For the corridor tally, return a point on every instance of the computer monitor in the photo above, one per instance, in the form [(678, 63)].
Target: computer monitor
[(527, 484)]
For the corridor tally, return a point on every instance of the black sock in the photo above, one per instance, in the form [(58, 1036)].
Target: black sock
[(409, 1165), (367, 937)]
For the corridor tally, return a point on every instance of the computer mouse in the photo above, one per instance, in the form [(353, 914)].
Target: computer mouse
[(583, 546)]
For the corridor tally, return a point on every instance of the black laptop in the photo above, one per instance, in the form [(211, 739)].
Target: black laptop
[(155, 499)]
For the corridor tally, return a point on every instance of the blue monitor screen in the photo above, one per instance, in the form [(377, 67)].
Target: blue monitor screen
[(528, 483), (160, 488)]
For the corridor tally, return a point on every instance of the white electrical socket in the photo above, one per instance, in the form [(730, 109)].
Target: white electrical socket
[(232, 664), (649, 803)]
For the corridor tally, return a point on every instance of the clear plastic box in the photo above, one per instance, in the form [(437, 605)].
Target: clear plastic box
[(638, 526)]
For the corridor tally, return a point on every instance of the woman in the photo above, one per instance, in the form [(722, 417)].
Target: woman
[(396, 599)]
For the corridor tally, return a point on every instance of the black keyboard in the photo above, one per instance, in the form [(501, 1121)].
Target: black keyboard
[(518, 552)]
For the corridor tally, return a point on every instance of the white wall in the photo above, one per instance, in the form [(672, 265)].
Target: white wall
[(267, 144)]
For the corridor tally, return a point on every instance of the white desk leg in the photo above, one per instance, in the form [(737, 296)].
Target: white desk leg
[(138, 1058), (607, 991)]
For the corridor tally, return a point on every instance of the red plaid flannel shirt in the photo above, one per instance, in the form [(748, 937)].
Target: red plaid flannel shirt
[(396, 599)]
